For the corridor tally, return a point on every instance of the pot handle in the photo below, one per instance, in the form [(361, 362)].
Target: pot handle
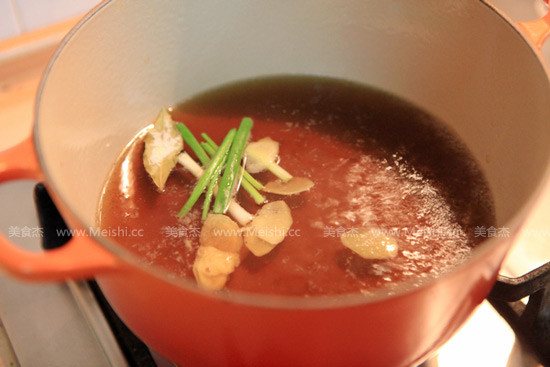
[(537, 30), (80, 257)]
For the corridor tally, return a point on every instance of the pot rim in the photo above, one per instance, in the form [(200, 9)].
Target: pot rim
[(277, 301)]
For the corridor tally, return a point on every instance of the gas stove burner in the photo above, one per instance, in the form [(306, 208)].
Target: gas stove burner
[(530, 322)]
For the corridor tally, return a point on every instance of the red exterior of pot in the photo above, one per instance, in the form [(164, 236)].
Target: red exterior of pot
[(192, 329)]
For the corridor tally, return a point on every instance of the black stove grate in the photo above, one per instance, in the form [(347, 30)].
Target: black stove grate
[(531, 321)]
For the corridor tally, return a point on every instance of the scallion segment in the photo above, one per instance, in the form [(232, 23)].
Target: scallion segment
[(237, 212), (278, 171), (193, 143), (258, 198), (210, 142), (212, 146), (208, 196), (225, 187), (208, 175), (209, 148), (211, 189), (245, 183), (255, 183)]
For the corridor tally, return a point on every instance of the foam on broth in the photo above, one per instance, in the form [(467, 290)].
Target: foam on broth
[(375, 161)]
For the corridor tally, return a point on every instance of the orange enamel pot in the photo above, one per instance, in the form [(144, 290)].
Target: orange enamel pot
[(461, 61)]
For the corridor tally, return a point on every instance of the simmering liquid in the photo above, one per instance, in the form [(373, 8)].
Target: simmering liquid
[(376, 161)]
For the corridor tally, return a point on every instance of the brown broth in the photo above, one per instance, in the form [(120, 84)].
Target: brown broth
[(375, 160)]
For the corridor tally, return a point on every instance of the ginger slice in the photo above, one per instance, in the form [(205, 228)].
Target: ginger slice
[(213, 266), (266, 148), (256, 245), (294, 186), (272, 222), (370, 243), (221, 232), (268, 228), (219, 252)]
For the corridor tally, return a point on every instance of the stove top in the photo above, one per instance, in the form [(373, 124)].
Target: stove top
[(64, 325)]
